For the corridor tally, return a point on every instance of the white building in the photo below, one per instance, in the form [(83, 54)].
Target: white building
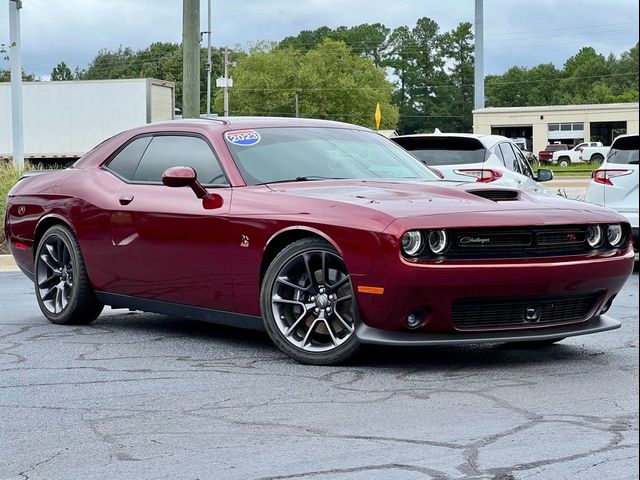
[(570, 124)]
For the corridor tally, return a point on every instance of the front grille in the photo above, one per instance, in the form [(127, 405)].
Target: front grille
[(519, 242), (498, 313)]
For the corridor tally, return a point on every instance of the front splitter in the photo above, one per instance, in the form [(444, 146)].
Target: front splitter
[(377, 336)]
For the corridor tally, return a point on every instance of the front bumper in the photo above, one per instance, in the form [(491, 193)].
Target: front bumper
[(376, 336), (435, 287)]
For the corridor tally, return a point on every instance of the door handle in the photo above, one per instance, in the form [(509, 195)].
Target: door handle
[(125, 199)]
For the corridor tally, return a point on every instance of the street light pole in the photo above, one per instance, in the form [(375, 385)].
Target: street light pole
[(478, 81), (16, 83), (226, 82), (191, 58), (209, 58)]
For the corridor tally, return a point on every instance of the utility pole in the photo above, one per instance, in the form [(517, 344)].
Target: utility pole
[(478, 80), (16, 83), (296, 105), (190, 58), (209, 58), (226, 82)]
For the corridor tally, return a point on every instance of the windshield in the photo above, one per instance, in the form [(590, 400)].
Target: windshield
[(268, 155), (625, 151)]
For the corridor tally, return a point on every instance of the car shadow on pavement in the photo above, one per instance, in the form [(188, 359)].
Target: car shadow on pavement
[(374, 356)]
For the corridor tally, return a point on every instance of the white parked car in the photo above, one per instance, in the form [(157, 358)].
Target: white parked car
[(615, 182), (476, 158), (594, 154), (564, 158)]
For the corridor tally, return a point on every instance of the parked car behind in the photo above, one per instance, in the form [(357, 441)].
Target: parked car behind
[(615, 183), (594, 154), (476, 158), (564, 158), (546, 155)]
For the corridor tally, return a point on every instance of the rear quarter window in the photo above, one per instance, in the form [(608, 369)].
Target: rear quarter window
[(625, 151)]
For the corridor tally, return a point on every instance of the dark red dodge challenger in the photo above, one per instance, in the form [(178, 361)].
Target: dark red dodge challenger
[(324, 234)]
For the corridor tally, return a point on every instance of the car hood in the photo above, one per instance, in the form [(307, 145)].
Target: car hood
[(406, 199)]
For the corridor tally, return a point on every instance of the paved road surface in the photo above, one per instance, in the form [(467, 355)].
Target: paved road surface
[(145, 396)]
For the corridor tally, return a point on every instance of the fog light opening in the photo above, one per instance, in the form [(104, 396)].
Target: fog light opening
[(415, 319), (607, 306)]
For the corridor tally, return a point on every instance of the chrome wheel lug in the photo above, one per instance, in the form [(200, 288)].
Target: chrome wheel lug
[(328, 309), (321, 290), (312, 298)]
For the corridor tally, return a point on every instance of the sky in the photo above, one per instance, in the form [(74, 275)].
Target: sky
[(517, 32)]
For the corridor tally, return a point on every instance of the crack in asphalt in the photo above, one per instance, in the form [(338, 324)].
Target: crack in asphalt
[(147, 390)]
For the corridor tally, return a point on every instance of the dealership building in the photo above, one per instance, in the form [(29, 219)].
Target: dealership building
[(570, 124)]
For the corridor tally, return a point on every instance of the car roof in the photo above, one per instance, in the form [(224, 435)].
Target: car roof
[(487, 140), (241, 122)]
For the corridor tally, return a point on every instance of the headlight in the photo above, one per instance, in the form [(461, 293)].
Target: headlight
[(615, 236), (412, 243), (438, 241), (594, 235)]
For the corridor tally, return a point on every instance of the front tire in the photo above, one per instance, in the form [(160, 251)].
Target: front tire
[(308, 305), (62, 286)]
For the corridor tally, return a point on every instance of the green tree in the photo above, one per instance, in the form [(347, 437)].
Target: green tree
[(159, 60), (330, 81), (61, 72), (457, 47), (367, 40), (5, 76)]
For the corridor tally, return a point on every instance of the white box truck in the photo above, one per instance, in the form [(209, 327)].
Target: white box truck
[(64, 120)]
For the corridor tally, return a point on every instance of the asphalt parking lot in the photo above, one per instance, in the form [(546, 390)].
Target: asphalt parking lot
[(144, 396)]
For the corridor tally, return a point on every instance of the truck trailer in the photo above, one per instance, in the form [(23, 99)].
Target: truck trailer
[(64, 120)]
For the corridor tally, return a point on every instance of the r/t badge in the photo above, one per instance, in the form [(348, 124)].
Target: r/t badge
[(244, 242)]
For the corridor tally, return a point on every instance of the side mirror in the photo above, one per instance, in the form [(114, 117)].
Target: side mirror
[(544, 175), (179, 177), (187, 177)]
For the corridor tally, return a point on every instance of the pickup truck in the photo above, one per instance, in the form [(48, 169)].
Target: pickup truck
[(547, 154), (594, 154), (564, 158)]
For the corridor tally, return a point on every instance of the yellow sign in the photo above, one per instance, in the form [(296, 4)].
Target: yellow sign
[(378, 116)]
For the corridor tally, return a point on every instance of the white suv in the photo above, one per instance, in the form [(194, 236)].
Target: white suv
[(615, 183), (476, 158)]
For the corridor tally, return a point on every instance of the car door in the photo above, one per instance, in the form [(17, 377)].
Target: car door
[(167, 246), (511, 170)]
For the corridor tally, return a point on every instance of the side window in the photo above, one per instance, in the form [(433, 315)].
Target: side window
[(509, 157), (525, 167), (174, 150), (498, 153), (126, 162)]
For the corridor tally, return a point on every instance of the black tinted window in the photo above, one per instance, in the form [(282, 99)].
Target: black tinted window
[(625, 150), (437, 150), (509, 157), (125, 162), (172, 151)]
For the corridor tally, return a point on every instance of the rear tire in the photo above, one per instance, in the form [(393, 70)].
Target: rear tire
[(564, 161), (597, 158), (62, 286), (308, 305)]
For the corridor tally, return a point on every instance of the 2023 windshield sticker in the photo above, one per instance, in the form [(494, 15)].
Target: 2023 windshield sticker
[(242, 138)]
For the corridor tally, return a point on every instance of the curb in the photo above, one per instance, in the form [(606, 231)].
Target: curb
[(8, 264)]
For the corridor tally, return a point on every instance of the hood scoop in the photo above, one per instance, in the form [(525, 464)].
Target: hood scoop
[(497, 195)]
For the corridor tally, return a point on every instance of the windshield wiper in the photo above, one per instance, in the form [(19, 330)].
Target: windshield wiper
[(307, 178)]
